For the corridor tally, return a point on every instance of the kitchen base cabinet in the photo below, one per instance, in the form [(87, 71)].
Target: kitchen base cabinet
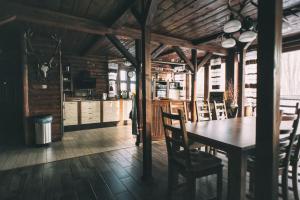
[(90, 112), (111, 111), (70, 113), (96, 113)]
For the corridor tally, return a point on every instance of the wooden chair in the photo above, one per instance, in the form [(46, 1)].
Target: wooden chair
[(179, 105), (288, 130), (289, 109), (203, 111), (191, 164), (220, 110), (295, 154)]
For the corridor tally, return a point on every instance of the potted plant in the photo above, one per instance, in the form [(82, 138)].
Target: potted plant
[(231, 99)]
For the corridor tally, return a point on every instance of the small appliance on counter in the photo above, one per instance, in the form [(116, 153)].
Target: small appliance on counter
[(104, 96), (124, 94)]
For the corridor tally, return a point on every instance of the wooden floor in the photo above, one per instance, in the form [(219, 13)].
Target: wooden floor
[(74, 144), (109, 175), (113, 175)]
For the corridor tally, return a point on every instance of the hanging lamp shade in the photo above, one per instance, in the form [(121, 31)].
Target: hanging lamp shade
[(232, 26), (247, 36), (228, 43)]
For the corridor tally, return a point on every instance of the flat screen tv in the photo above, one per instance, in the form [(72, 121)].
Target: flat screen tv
[(89, 83)]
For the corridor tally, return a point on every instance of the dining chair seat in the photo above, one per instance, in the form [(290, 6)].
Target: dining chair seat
[(199, 160)]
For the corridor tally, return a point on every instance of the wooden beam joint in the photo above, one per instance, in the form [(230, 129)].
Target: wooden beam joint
[(117, 43), (182, 56)]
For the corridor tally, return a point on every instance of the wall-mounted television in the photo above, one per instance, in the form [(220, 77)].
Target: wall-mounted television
[(88, 83)]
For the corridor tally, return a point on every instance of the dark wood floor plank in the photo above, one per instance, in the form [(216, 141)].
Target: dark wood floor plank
[(114, 175), (124, 196), (113, 182)]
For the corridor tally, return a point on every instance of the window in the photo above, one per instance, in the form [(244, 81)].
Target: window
[(200, 83), (123, 75), (132, 83), (123, 86), (250, 72), (290, 73), (289, 86), (127, 83)]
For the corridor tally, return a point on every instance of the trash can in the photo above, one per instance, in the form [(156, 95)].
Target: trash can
[(43, 129)]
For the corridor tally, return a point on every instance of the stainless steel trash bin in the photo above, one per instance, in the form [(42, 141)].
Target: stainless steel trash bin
[(43, 129)]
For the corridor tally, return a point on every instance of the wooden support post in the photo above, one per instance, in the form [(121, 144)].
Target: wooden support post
[(194, 86), (147, 103), (268, 96), (138, 88), (27, 136), (241, 82)]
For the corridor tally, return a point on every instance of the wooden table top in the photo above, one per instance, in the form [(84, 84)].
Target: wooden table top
[(237, 133), (225, 134)]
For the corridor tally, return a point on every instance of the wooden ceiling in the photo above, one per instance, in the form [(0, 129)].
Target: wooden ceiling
[(189, 20)]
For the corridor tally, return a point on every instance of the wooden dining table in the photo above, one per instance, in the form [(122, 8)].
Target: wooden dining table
[(234, 136)]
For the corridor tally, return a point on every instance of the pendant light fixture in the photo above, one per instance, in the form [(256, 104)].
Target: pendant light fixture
[(228, 43), (238, 23), (232, 26), (247, 36)]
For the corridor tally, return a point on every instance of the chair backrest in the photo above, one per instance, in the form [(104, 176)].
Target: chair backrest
[(288, 131), (176, 137), (179, 105), (220, 110), (289, 109), (203, 111)]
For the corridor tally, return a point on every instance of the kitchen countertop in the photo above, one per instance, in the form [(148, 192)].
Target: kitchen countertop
[(80, 99)]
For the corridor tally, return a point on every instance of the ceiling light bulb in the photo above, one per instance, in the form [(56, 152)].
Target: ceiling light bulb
[(228, 43), (247, 36), (232, 26)]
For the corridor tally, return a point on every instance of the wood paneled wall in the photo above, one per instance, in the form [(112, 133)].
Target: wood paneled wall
[(48, 101), (44, 101), (98, 68)]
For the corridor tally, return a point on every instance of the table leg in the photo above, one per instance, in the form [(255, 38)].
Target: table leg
[(237, 169)]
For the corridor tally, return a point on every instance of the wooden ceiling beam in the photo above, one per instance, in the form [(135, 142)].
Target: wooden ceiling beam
[(183, 57), (204, 60), (60, 20), (117, 43), (206, 39), (286, 12), (151, 7), (97, 42), (118, 21), (7, 19), (158, 51)]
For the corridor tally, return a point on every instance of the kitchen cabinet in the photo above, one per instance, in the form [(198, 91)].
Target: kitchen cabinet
[(127, 106), (111, 111), (70, 113), (90, 112)]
